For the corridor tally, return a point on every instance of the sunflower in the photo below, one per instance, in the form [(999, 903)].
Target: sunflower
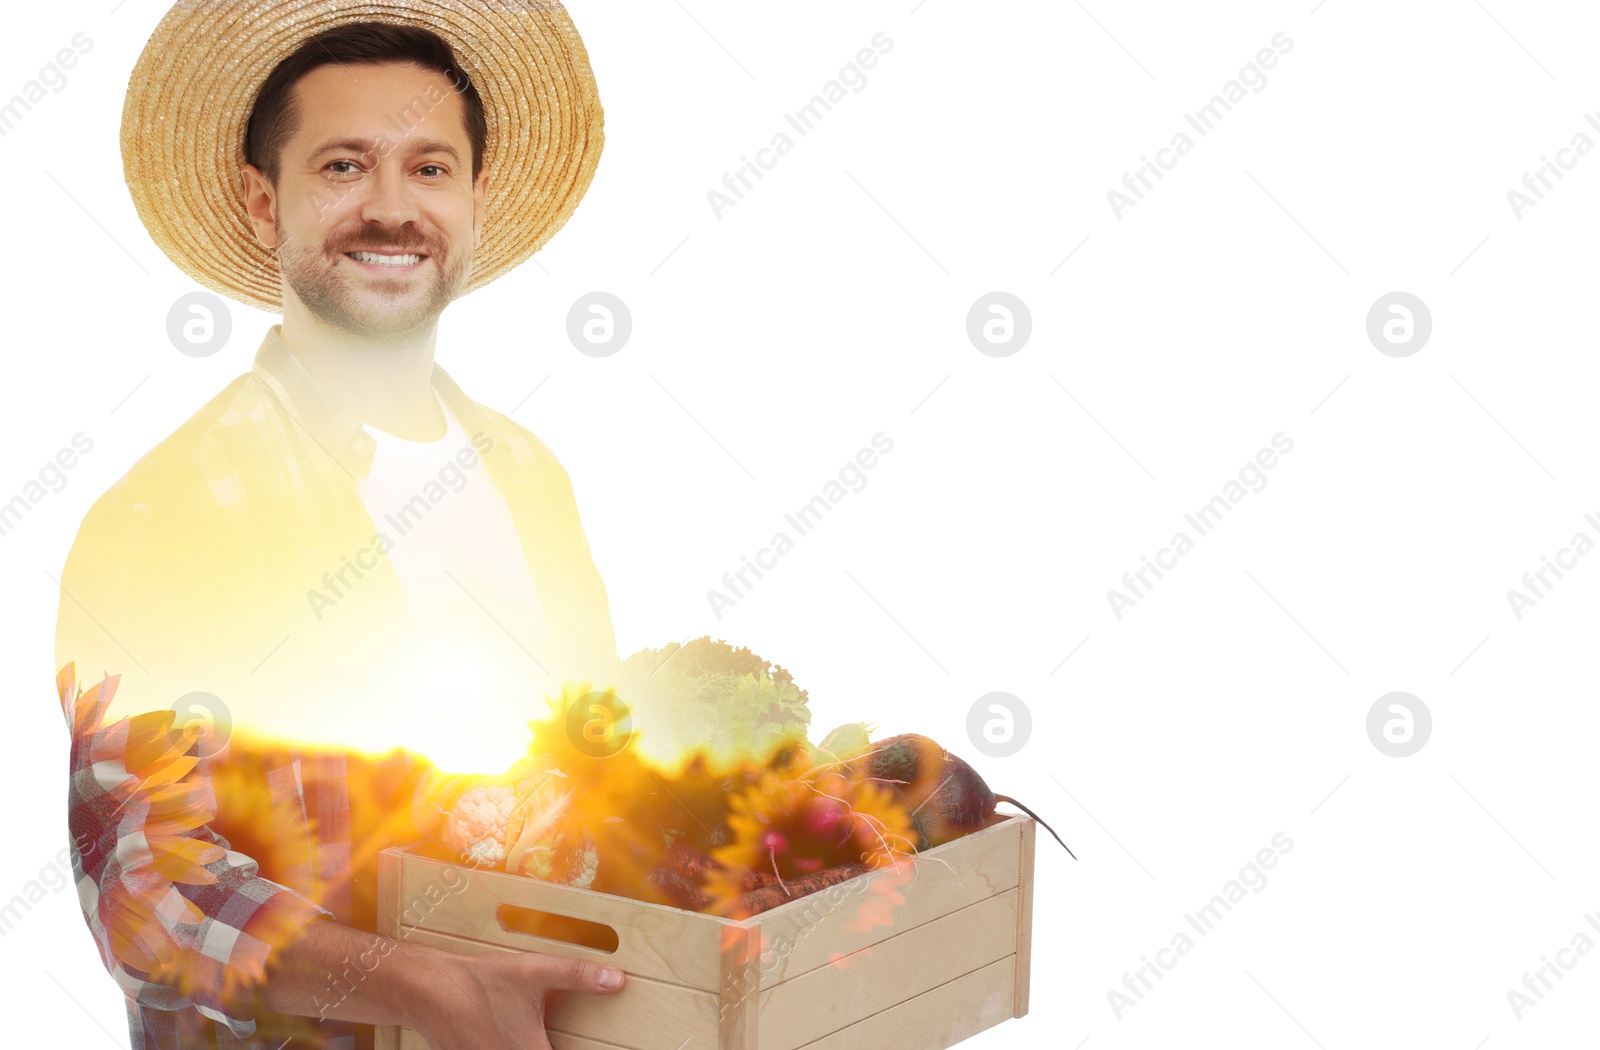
[(784, 825), (136, 767)]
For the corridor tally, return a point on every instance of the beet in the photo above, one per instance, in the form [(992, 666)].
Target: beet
[(946, 796), (961, 803)]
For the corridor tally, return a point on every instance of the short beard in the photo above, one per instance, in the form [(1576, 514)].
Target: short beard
[(329, 296)]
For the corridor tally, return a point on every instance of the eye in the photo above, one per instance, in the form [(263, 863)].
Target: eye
[(442, 172), (332, 163)]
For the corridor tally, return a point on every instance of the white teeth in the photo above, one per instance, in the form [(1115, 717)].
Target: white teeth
[(386, 260)]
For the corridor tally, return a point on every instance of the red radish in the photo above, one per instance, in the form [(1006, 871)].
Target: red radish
[(775, 842), (823, 817)]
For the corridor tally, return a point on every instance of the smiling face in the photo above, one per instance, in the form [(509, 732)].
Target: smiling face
[(376, 215)]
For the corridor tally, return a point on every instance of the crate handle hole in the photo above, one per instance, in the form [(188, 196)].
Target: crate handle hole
[(536, 923)]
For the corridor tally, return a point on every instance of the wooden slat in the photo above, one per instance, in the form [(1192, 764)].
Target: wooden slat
[(646, 1015), (935, 1020), (653, 940), (410, 1040), (1025, 846), (741, 983), (857, 986), (387, 1037), (808, 932), (564, 1041), (938, 1018)]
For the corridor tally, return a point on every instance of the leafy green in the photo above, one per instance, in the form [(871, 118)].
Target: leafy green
[(845, 742), (708, 695)]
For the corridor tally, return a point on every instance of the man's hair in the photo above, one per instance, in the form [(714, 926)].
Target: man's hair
[(274, 119)]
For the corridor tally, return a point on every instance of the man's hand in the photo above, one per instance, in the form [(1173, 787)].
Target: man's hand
[(497, 1001), (494, 1001)]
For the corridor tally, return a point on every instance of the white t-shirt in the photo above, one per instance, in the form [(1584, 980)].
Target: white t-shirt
[(479, 624)]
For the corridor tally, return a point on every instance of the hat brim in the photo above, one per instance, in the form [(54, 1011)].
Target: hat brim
[(195, 84)]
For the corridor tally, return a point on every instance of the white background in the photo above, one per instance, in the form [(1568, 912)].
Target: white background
[(830, 304)]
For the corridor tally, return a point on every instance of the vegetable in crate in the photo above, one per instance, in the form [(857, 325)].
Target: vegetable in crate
[(573, 813), (732, 812), (946, 796), (709, 696), (792, 830), (519, 821)]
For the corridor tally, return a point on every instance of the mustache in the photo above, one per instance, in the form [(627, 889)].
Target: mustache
[(403, 247)]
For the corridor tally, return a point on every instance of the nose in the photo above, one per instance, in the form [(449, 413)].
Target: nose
[(389, 201)]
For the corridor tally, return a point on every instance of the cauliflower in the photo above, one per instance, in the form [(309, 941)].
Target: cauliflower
[(475, 827), (519, 822)]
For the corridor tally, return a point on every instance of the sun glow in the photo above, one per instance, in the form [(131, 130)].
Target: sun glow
[(457, 698), (464, 714)]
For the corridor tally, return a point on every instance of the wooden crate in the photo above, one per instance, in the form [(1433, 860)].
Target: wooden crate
[(918, 957)]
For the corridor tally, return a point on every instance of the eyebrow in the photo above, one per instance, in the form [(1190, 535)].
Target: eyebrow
[(365, 146)]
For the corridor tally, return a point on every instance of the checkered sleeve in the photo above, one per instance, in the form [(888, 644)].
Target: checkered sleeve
[(179, 918)]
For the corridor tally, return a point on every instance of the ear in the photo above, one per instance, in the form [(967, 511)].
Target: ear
[(261, 204)]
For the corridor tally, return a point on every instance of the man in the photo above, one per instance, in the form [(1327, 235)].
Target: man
[(340, 554)]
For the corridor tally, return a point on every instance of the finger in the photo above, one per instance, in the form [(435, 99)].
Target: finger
[(576, 975)]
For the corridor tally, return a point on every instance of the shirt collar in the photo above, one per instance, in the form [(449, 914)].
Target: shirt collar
[(315, 411)]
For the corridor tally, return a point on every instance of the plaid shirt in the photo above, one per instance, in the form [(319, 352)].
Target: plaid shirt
[(235, 569)]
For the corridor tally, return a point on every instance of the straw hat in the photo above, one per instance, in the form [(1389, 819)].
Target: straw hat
[(191, 92)]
